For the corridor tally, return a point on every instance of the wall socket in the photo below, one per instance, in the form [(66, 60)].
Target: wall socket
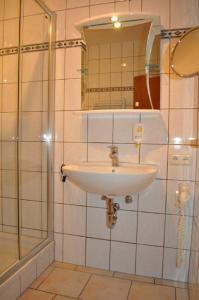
[(180, 159)]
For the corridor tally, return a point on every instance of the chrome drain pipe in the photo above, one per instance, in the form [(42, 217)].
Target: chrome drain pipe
[(111, 211)]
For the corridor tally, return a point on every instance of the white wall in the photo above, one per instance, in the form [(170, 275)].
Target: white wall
[(144, 238)]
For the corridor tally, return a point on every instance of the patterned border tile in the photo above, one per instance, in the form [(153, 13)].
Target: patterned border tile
[(110, 89), (165, 34)]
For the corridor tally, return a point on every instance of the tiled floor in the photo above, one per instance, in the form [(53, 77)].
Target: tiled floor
[(66, 282)]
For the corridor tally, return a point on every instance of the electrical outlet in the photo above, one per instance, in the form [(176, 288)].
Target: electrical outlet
[(180, 159)]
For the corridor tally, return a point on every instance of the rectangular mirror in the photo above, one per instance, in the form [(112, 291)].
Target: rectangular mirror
[(120, 66)]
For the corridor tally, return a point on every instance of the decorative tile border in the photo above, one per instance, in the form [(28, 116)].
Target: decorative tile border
[(173, 33), (43, 47), (165, 34), (110, 89)]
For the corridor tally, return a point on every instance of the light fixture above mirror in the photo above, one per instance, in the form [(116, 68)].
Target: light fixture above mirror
[(120, 63)]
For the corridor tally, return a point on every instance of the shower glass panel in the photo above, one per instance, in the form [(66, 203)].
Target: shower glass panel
[(9, 39), (33, 127), (26, 91)]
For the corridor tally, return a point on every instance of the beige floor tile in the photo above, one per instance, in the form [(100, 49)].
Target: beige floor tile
[(182, 294), (142, 291), (31, 294), (134, 277), (61, 265), (41, 278), (171, 283), (106, 288), (94, 271), (63, 298), (65, 282)]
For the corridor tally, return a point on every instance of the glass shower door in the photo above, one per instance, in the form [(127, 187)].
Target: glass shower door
[(9, 42)]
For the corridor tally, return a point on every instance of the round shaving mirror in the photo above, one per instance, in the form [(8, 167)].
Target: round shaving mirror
[(185, 55)]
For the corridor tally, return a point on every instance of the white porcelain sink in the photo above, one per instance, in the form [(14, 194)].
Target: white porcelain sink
[(104, 179)]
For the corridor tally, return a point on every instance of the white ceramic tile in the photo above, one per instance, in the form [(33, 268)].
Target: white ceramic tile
[(97, 253), (73, 94), (32, 96), (56, 5), (125, 229), (9, 155), (32, 66), (171, 231), (73, 63), (128, 153), (151, 134), (170, 271), (97, 10), (59, 94), (172, 187), (31, 185), (31, 123), (30, 7), (28, 275), (9, 211), (8, 190), (60, 25), (149, 261), (153, 198), (10, 289), (164, 91), (128, 206), (33, 29), (74, 219), (76, 129), (123, 257), (165, 56), (74, 16), (98, 152), (123, 127), (157, 8), (184, 13), (100, 128), (151, 228), (183, 92), (73, 194), (9, 92), (77, 3), (155, 154), (182, 126), (182, 172), (30, 156), (11, 9), (59, 126), (60, 68), (11, 33), (10, 68), (43, 260), (96, 223), (74, 249), (58, 218), (31, 214), (58, 246), (75, 152), (94, 200), (9, 126)]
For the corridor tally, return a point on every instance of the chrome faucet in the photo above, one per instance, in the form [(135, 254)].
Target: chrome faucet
[(114, 155)]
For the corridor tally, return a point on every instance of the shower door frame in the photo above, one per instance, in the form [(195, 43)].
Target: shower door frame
[(50, 152)]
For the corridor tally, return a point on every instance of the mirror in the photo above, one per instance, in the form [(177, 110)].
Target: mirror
[(120, 63), (185, 55)]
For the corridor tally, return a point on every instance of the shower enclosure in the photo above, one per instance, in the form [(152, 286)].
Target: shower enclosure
[(26, 130)]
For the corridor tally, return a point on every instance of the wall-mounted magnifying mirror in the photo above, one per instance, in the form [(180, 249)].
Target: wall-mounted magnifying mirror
[(185, 55), (120, 64)]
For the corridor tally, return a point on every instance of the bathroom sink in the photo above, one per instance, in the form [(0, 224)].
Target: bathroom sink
[(104, 179)]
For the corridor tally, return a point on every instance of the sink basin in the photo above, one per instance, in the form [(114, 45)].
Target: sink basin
[(104, 179)]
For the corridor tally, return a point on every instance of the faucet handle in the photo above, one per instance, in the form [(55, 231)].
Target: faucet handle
[(113, 148)]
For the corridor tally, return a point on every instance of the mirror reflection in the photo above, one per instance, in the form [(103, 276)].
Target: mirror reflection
[(121, 66), (185, 56)]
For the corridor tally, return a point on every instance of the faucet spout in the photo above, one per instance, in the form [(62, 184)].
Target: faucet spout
[(114, 156)]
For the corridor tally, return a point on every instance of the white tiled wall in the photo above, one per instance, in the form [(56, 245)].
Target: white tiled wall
[(144, 238)]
